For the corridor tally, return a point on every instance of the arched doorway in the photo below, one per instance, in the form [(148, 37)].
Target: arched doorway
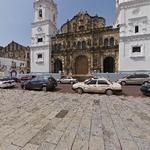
[(13, 73), (57, 66), (81, 65), (21, 72), (109, 65)]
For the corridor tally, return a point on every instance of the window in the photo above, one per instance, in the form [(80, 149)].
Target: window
[(89, 42), (136, 49), (102, 82), (39, 56), (92, 82), (141, 76), (81, 28), (83, 44), (28, 63), (28, 55), (54, 18), (79, 45), (40, 13), (136, 29), (112, 41), (100, 41), (106, 42), (131, 76), (40, 40), (74, 44)]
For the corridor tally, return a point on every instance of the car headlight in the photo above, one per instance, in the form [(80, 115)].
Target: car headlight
[(149, 89)]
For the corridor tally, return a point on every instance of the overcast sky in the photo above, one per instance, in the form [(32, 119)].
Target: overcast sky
[(16, 16)]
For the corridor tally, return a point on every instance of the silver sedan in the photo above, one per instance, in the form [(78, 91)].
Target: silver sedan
[(67, 79)]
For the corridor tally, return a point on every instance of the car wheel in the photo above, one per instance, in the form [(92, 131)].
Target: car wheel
[(109, 92), (79, 90), (123, 83), (44, 88), (24, 87)]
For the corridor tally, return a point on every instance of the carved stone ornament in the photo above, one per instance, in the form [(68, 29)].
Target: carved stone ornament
[(136, 11)]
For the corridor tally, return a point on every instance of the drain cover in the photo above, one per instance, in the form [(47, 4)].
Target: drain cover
[(96, 102), (62, 114)]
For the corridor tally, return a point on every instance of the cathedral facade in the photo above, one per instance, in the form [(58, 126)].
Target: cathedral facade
[(85, 45)]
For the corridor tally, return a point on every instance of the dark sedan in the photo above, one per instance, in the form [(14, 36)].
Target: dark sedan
[(145, 89), (45, 83)]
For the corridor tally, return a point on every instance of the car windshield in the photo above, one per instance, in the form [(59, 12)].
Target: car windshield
[(87, 81)]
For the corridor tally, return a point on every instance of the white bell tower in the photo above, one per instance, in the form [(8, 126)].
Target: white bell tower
[(43, 28)]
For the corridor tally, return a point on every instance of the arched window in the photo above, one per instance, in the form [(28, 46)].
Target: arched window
[(81, 28), (79, 45), (83, 44), (68, 44), (74, 44), (40, 13), (106, 42), (74, 27), (100, 41), (89, 42), (112, 41)]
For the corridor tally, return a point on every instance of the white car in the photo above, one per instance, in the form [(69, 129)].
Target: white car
[(7, 83), (67, 79), (99, 85)]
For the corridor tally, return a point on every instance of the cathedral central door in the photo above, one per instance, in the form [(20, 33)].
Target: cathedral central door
[(81, 65)]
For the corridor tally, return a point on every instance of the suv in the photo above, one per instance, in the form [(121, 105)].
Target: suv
[(135, 79), (44, 83)]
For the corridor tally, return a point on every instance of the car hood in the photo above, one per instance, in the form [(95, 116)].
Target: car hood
[(78, 84), (115, 83), (123, 79)]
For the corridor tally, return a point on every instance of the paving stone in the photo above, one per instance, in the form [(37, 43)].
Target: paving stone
[(30, 147)]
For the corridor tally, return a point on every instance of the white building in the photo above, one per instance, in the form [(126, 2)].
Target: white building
[(133, 17), (43, 28), (6, 68)]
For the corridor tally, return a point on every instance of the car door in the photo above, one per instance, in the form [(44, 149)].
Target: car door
[(64, 80), (41, 82), (91, 86), (34, 84), (102, 86), (131, 79), (142, 78)]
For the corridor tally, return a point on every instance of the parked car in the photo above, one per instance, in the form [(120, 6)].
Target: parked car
[(135, 79), (67, 79), (145, 89), (99, 85), (44, 83), (7, 82), (10, 78)]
